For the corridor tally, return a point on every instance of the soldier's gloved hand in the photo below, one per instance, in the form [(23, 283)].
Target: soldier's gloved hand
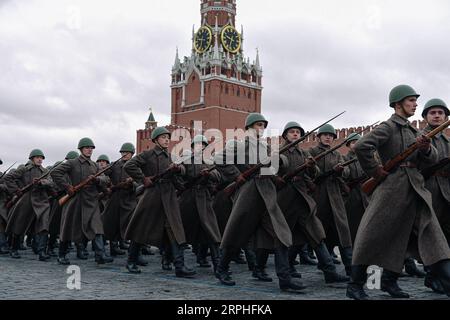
[(205, 173), (380, 173), (338, 168), (94, 179), (424, 143), (175, 168), (36, 181), (148, 183), (18, 193), (310, 162), (240, 179), (70, 190), (279, 182)]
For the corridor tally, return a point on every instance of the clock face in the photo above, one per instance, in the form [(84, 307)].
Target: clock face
[(231, 39), (203, 39)]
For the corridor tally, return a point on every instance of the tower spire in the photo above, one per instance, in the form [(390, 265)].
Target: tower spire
[(151, 122)]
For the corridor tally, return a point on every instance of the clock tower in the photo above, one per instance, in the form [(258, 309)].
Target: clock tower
[(216, 84)]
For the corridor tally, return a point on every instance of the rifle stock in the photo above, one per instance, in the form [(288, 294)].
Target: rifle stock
[(370, 186)]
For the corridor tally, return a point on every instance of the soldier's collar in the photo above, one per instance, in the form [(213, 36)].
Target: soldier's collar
[(321, 145), (400, 120), (159, 150)]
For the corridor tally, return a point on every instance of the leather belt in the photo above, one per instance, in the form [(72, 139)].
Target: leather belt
[(442, 174)]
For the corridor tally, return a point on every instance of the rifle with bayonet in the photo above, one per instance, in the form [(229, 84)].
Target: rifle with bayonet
[(27, 188), (294, 173), (332, 172), (86, 182), (253, 170), (370, 185), (196, 181), (4, 173)]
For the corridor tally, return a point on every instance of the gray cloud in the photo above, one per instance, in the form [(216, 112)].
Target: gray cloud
[(94, 68)]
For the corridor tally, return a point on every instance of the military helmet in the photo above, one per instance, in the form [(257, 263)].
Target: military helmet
[(198, 139), (353, 137), (401, 92), (128, 147), (293, 125), (103, 157), (435, 103), (328, 128), (254, 118), (36, 153), (1, 162), (86, 142), (72, 155), (159, 132)]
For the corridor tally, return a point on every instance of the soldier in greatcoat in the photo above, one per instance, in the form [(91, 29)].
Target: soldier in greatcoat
[(157, 219), (30, 214), (255, 209), (80, 216), (400, 219)]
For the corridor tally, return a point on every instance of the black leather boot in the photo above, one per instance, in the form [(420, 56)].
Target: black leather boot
[(28, 242), (62, 254), (141, 261), (124, 245), (434, 284), (389, 284), (3, 244), (133, 254), (100, 255), (202, 252), (441, 271), (223, 268), (286, 282), (259, 272), (250, 256), (51, 245), (327, 266), (355, 289), (115, 249), (412, 270), (41, 242), (304, 256), (346, 257), (215, 255), (292, 254), (15, 244), (239, 258), (80, 251), (181, 270), (311, 253)]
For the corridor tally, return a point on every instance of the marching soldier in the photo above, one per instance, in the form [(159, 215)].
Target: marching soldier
[(389, 229), (156, 219), (3, 215), (196, 203), (436, 113), (255, 210), (357, 200), (31, 212), (300, 208), (328, 196), (55, 212), (121, 203), (80, 217)]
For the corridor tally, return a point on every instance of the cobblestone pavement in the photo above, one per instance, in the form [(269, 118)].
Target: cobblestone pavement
[(28, 278)]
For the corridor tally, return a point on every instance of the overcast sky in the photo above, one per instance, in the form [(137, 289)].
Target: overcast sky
[(70, 69)]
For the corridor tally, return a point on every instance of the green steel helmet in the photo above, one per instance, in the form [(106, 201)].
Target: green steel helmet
[(86, 142), (159, 132), (128, 147), (353, 137), (328, 128), (72, 155), (36, 153), (435, 103), (401, 92), (103, 157), (254, 118), (198, 139), (293, 125)]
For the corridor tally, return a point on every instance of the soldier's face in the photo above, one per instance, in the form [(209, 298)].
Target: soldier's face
[(436, 117), (326, 139), (352, 145), (102, 164), (408, 106), (198, 148), (87, 151), (164, 140), (259, 127), (293, 134), (126, 155), (37, 161)]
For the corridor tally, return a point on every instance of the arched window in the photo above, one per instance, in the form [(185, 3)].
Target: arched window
[(254, 76), (244, 74), (224, 69), (233, 71)]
